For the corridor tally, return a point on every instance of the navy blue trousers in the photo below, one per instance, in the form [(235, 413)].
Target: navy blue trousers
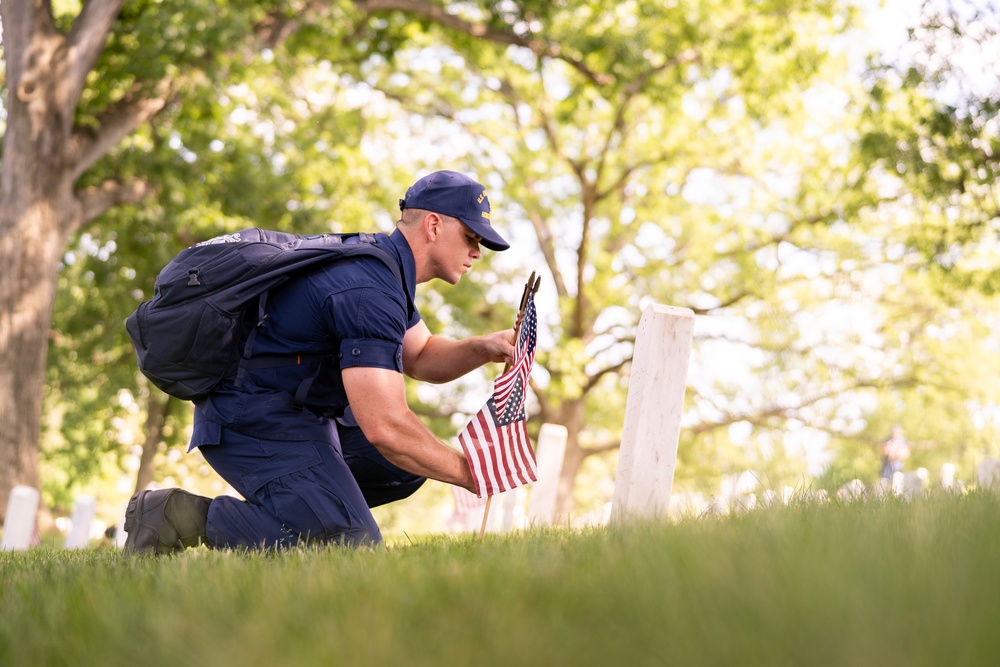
[(301, 490)]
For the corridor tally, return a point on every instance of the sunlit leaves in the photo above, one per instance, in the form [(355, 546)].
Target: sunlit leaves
[(706, 155)]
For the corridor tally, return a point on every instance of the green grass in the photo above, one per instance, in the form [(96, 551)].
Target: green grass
[(854, 584)]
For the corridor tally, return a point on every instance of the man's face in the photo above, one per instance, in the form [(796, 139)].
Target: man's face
[(456, 250)]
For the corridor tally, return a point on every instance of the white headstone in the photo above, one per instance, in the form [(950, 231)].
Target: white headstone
[(510, 507), (653, 410), (727, 486), (947, 476), (688, 505), (746, 502), (502, 511), (719, 506), (745, 485), (747, 482), (853, 490), (19, 525), (914, 482), (897, 483), (550, 454), (882, 488), (988, 473), (83, 516), (472, 520)]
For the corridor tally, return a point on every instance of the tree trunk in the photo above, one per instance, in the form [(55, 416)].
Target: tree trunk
[(570, 416), (31, 242), (156, 416), (567, 477), (38, 209)]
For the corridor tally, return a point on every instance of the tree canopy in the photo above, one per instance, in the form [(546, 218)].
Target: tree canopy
[(831, 232)]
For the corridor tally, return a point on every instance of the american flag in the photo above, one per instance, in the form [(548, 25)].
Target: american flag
[(495, 440), (509, 388)]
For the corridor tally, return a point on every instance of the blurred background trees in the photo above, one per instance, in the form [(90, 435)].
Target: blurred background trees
[(830, 219)]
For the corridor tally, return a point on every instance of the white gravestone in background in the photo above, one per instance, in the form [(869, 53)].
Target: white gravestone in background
[(988, 473), (503, 511), (947, 476), (653, 413), (83, 516), (20, 522)]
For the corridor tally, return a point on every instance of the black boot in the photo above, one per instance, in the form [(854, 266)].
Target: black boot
[(165, 521)]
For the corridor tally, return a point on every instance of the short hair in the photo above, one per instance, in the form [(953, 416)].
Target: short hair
[(412, 216)]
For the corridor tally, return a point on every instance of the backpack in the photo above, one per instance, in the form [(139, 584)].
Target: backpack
[(188, 337)]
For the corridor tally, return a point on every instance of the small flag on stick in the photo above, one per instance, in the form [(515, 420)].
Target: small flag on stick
[(495, 440)]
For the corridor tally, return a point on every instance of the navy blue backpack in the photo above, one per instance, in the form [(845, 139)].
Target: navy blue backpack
[(213, 295)]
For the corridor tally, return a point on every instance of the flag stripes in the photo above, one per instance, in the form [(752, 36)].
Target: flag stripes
[(514, 381), (495, 440), (500, 456)]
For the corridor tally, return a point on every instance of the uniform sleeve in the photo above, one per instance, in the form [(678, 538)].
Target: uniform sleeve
[(370, 321)]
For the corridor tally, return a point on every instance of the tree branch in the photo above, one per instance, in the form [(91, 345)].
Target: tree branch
[(600, 449), (439, 15), (20, 21), (275, 28), (83, 46), (761, 415), (630, 92), (115, 123), (596, 377), (95, 200), (547, 245), (542, 230), (120, 119), (731, 301)]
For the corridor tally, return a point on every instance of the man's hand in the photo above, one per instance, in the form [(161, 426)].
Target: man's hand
[(499, 346)]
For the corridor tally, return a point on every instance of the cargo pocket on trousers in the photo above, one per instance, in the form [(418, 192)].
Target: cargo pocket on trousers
[(284, 461)]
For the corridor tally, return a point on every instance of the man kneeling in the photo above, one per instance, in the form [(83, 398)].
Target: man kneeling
[(311, 469)]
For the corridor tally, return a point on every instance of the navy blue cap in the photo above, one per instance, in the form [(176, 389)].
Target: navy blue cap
[(457, 195)]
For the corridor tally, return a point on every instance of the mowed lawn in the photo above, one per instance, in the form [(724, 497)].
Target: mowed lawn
[(866, 583)]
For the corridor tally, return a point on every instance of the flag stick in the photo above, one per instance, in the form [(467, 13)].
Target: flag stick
[(486, 515), (530, 288)]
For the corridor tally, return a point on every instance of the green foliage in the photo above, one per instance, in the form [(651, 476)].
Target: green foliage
[(238, 149), (858, 584), (699, 155), (602, 142), (94, 400), (931, 129)]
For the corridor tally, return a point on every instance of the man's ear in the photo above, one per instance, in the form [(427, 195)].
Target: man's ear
[(433, 226)]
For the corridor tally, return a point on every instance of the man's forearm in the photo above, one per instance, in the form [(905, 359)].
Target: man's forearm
[(445, 359), (378, 402), (409, 444)]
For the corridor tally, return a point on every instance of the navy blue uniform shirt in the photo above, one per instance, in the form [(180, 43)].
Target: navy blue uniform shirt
[(354, 310)]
